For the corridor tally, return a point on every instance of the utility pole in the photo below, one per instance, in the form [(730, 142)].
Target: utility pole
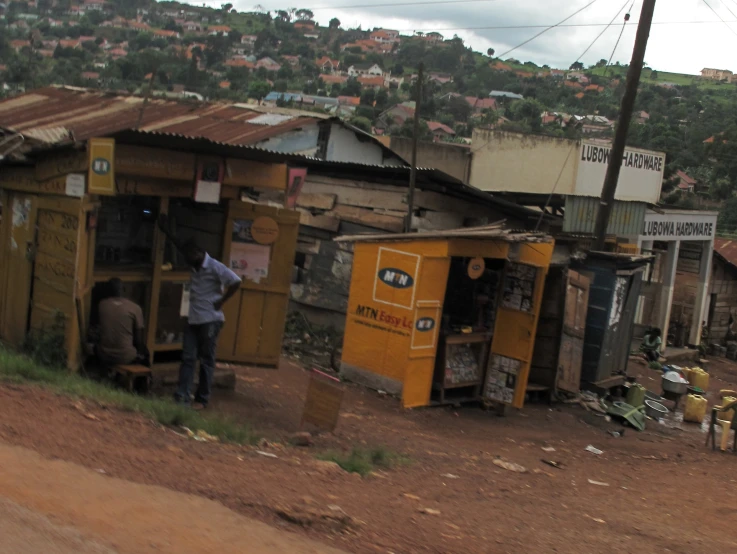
[(623, 125), (415, 138)]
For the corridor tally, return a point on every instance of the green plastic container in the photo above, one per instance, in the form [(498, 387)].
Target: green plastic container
[(636, 396)]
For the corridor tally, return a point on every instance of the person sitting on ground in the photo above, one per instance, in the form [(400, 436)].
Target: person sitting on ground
[(121, 329), (651, 343)]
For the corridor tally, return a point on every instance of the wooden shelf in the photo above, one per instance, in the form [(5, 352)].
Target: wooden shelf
[(167, 347), (448, 386), (174, 276), (468, 338), (105, 274)]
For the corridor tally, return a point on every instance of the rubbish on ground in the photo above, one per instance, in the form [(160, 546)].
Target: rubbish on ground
[(510, 466), (411, 496), (266, 454), (548, 449), (596, 519), (92, 417), (430, 512), (599, 483), (616, 434), (553, 463), (301, 439), (594, 450), (630, 414), (450, 476)]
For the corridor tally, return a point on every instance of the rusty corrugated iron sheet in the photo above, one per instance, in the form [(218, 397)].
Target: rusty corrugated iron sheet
[(51, 114), (727, 250)]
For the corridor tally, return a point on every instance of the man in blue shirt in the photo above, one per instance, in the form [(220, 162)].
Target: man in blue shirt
[(212, 284)]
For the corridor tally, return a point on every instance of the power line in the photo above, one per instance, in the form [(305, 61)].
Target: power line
[(548, 29), (569, 25), (392, 5), (730, 11), (603, 31), (619, 38), (720, 18)]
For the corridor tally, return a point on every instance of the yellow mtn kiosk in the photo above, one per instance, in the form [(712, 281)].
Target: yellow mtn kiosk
[(445, 316)]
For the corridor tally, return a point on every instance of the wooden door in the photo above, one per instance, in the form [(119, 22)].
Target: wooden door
[(255, 318), (60, 266), (17, 248), (572, 334)]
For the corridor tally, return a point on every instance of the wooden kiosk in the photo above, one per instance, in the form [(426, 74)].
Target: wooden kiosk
[(445, 316), (77, 216)]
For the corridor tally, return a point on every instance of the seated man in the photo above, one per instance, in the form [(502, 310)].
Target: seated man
[(121, 329)]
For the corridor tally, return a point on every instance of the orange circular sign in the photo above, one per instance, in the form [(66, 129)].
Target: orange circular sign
[(476, 268), (265, 230)]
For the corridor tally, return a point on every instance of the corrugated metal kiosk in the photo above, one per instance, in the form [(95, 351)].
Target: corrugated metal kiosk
[(616, 280), (445, 316), (77, 217)]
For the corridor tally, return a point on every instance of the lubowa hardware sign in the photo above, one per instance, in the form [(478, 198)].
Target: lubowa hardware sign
[(679, 225), (640, 177)]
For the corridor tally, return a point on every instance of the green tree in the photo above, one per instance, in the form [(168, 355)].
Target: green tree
[(362, 123), (407, 129), (304, 14), (259, 89), (576, 66), (459, 108), (368, 97), (490, 52), (334, 23)]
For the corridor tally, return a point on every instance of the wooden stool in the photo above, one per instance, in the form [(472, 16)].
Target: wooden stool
[(135, 377)]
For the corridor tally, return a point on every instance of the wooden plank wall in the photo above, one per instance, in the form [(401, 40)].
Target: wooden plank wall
[(330, 207), (724, 285)]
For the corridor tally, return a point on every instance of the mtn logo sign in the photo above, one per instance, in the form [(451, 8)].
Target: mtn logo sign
[(396, 278)]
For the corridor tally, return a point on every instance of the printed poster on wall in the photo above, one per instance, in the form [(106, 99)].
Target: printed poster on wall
[(248, 259), (501, 378), (519, 287)]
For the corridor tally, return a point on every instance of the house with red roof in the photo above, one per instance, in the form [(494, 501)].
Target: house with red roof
[(90, 76), (268, 64), (328, 65), (642, 117), (686, 183), (440, 131), (481, 104), (70, 43), (19, 45), (241, 63), (387, 36), (594, 88), (224, 85), (333, 79), (572, 84), (349, 100), (305, 25), (139, 26), (166, 34), (368, 81), (117, 53), (215, 30)]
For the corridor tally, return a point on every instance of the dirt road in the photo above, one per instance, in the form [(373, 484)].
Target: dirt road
[(662, 491), (56, 507)]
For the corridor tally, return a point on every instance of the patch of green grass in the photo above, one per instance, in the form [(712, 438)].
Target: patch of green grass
[(21, 369), (364, 461)]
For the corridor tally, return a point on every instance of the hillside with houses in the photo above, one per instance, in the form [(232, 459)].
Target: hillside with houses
[(368, 78)]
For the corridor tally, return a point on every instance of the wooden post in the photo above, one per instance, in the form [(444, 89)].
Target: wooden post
[(623, 125), (415, 138), (158, 261)]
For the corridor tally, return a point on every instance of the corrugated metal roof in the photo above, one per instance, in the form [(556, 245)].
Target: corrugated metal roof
[(727, 250), (626, 219), (51, 114)]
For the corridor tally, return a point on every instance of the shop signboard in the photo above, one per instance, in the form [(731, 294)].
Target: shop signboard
[(679, 225), (101, 175), (640, 177)]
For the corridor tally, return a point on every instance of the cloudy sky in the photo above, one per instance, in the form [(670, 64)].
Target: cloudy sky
[(687, 34)]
